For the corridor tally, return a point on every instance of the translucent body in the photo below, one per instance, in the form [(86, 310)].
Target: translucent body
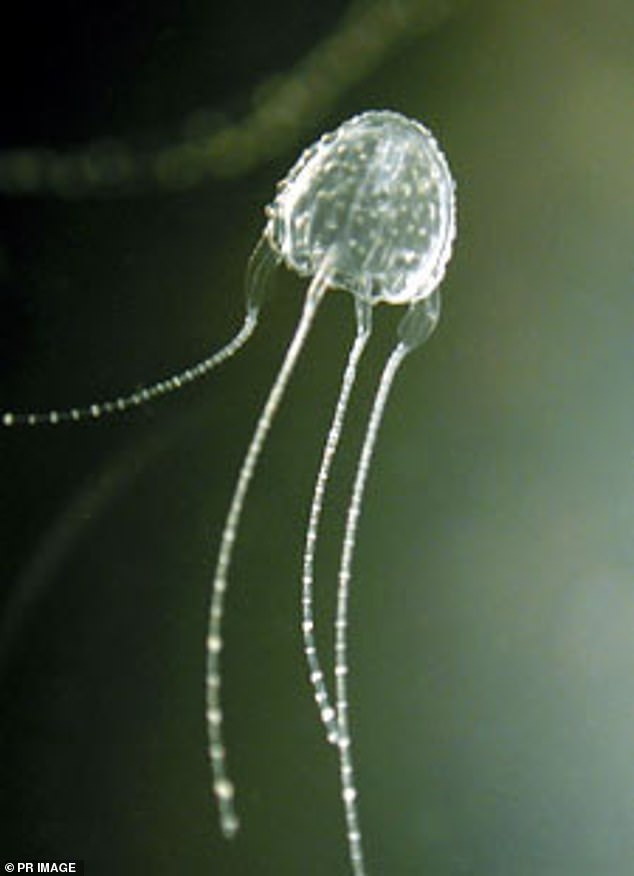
[(378, 196), (370, 209)]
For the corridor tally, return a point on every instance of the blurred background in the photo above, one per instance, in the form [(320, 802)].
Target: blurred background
[(492, 611)]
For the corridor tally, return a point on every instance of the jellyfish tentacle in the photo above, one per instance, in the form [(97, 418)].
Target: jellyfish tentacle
[(222, 785), (259, 269), (142, 396), (414, 329), (261, 264), (420, 320), (315, 671)]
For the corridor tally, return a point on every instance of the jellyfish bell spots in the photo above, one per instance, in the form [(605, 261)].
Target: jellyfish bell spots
[(378, 196)]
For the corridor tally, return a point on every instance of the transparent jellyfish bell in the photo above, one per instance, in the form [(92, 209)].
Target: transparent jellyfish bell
[(377, 197)]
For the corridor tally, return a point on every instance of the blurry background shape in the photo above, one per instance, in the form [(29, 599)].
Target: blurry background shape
[(209, 146)]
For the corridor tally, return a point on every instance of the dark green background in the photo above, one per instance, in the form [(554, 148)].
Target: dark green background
[(493, 604)]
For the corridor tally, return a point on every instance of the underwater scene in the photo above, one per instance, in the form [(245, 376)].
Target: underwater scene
[(317, 438)]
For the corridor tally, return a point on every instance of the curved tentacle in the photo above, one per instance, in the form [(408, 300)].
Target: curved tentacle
[(222, 785), (315, 672), (414, 329), (346, 765), (261, 263)]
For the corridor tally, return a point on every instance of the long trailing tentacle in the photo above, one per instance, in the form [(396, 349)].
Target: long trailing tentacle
[(315, 671), (415, 327), (260, 266), (346, 765), (222, 785), (120, 404)]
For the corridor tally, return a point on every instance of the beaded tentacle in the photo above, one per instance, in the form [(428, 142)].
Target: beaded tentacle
[(315, 670)]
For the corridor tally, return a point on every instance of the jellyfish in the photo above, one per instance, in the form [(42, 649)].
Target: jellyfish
[(369, 209)]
